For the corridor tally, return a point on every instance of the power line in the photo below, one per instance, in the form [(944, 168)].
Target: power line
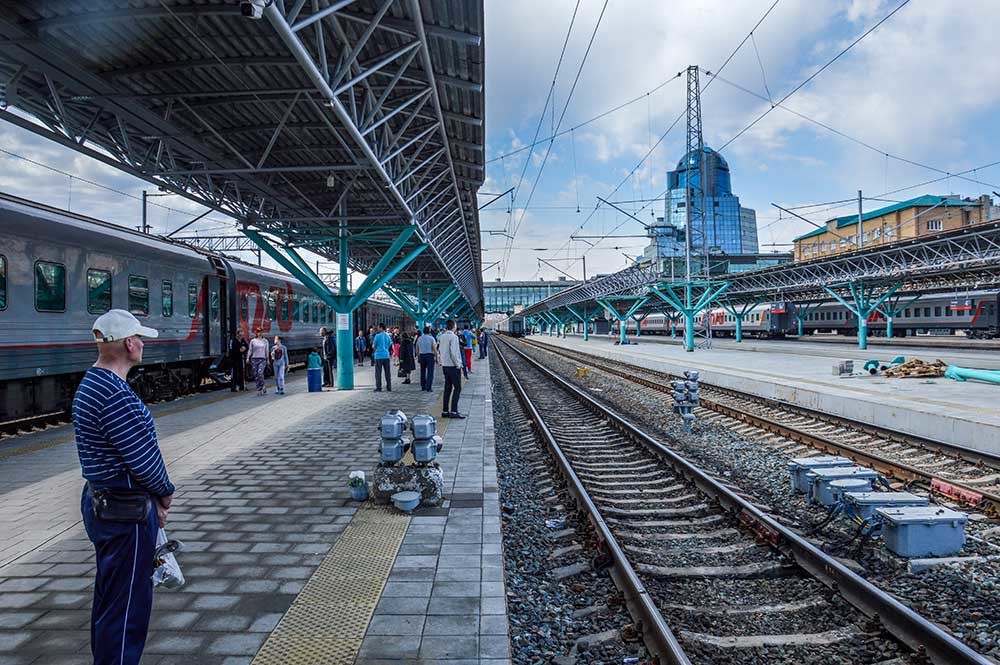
[(853, 139), (815, 74), (728, 59), (562, 115), (548, 97), (93, 183)]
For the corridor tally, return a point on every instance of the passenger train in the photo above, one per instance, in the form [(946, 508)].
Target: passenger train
[(59, 271), (972, 313)]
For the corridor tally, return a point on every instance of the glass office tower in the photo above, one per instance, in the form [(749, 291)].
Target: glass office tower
[(729, 227)]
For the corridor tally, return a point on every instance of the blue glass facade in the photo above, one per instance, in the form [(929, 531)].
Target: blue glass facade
[(729, 227)]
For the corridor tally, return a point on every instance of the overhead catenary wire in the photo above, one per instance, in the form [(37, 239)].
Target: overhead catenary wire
[(814, 74), (719, 70), (844, 135), (562, 115), (93, 183)]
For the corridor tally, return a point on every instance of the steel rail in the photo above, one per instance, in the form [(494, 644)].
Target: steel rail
[(988, 502), (656, 634), (920, 634)]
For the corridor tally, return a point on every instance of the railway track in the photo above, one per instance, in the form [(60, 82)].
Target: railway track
[(970, 478), (708, 575)]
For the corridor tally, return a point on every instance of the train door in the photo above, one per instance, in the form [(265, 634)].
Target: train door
[(218, 308)]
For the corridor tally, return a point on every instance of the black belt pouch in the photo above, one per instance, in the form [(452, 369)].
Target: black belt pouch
[(120, 505)]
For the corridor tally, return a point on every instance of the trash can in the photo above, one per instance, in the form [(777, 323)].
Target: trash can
[(314, 377)]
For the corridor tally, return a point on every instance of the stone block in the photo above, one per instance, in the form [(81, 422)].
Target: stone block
[(428, 480)]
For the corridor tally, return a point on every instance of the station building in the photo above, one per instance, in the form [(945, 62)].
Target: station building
[(914, 218)]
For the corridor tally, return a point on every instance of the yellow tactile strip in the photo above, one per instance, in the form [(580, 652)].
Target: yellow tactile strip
[(327, 622)]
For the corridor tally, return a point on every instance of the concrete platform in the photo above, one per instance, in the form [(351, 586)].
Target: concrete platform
[(963, 414), (974, 353), (263, 508)]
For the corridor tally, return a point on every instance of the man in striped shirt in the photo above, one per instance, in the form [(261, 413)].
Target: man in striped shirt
[(121, 462)]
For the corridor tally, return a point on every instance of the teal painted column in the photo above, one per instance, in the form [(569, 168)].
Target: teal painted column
[(687, 305), (739, 328), (345, 322), (863, 306)]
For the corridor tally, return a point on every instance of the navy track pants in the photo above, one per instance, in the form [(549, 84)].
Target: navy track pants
[(123, 592)]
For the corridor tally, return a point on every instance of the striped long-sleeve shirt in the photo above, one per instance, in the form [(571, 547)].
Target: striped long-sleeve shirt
[(115, 435)]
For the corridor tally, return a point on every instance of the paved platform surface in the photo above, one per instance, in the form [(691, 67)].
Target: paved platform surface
[(974, 353), (262, 499), (963, 414)]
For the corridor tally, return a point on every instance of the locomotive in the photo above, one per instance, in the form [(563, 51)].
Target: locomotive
[(59, 271)]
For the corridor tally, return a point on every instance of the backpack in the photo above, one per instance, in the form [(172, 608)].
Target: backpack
[(279, 353)]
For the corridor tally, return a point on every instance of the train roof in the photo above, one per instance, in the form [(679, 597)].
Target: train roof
[(28, 207)]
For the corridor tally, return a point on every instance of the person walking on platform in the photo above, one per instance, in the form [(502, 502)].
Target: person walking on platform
[(381, 346), (451, 366), (127, 494), (359, 348), (426, 348), (257, 356), (237, 352), (483, 341), (406, 361), (279, 361), (327, 351), (467, 337)]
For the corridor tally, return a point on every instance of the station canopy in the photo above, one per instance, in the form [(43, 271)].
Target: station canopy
[(321, 118)]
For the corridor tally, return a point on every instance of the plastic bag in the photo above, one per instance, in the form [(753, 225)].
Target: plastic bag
[(166, 570)]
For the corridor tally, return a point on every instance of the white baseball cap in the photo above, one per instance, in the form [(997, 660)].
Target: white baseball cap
[(117, 324)]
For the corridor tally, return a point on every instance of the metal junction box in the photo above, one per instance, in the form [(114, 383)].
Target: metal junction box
[(919, 531), (423, 426), (425, 450), (798, 468), (392, 450), (392, 424), (820, 491), (863, 504)]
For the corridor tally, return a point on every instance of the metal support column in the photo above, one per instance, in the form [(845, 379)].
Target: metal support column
[(864, 304), (585, 319), (606, 303), (739, 313), (801, 312), (891, 309), (687, 304)]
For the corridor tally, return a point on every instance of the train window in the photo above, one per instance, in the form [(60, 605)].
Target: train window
[(3, 282), (272, 305), (295, 307), (305, 311), (138, 295), (315, 316), (906, 313), (167, 297), (286, 308), (947, 310), (927, 311), (213, 305), (192, 300), (244, 307), (937, 311), (50, 287), (98, 291)]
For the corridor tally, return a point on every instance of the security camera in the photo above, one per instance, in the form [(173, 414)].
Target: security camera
[(254, 8)]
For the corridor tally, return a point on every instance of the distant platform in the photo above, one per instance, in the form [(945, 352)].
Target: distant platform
[(282, 567), (963, 414), (981, 355)]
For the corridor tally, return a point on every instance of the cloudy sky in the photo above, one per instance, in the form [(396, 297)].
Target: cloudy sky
[(923, 87)]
